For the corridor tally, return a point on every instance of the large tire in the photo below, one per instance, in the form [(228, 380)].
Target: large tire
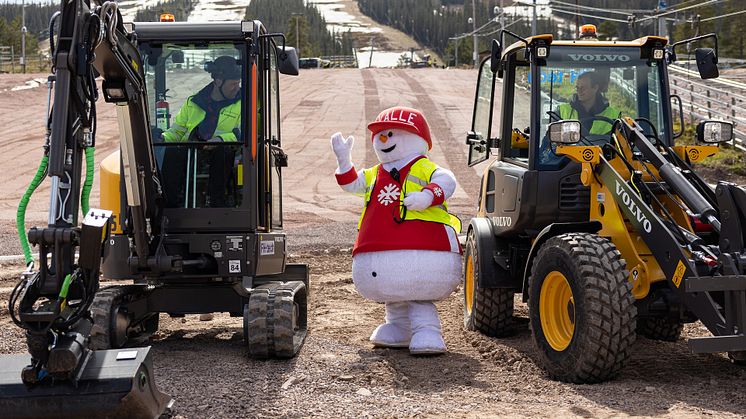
[(581, 308), (658, 328), (486, 310)]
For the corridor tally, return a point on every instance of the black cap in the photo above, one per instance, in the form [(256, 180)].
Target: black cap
[(224, 68)]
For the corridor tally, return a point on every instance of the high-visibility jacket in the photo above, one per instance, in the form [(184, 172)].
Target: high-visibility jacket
[(418, 177), (192, 114), (567, 111)]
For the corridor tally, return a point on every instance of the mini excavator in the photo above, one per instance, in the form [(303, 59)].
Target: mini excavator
[(169, 237)]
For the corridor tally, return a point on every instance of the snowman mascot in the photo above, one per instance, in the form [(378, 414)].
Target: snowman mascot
[(407, 253)]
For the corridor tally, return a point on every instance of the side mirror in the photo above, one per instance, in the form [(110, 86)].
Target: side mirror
[(564, 132), (707, 61), (714, 132), (495, 54), (177, 57), (288, 61)]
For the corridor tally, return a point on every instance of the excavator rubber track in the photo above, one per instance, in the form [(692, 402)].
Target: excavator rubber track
[(275, 320)]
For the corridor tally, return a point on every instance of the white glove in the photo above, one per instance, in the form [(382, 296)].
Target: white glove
[(343, 149), (418, 201)]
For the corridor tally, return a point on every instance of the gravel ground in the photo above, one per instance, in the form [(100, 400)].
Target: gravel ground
[(204, 366)]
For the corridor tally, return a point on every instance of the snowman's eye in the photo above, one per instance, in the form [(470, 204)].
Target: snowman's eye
[(390, 134)]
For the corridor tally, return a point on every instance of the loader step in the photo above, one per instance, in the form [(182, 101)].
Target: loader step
[(708, 344), (716, 283), (116, 383)]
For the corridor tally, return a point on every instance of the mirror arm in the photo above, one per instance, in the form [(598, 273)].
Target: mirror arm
[(690, 40)]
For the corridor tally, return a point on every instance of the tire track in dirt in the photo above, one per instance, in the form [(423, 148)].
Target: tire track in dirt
[(454, 152), (372, 105)]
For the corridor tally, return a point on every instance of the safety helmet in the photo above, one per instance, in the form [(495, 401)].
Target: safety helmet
[(224, 68), (400, 117)]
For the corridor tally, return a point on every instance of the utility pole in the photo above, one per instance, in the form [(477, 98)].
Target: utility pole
[(297, 17), (533, 21), (661, 21), (23, 36), (577, 21), (475, 55), (370, 60)]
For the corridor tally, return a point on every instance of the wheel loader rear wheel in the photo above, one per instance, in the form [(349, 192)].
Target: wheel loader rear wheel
[(665, 329), (486, 310), (275, 320), (581, 308)]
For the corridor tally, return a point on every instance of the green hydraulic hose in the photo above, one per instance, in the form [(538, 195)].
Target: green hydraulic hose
[(21, 213), (85, 196)]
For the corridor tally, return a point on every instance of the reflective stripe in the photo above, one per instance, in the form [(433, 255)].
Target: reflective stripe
[(452, 239), (415, 179)]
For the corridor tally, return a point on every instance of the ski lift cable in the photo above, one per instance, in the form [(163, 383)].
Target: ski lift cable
[(625, 12), (570, 12), (722, 16), (694, 6)]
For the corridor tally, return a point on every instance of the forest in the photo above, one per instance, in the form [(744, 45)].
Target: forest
[(302, 25)]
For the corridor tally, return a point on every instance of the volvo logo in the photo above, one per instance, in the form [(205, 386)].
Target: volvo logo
[(502, 221), (607, 58), (634, 209)]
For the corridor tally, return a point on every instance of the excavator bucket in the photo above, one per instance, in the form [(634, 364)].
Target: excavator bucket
[(115, 383)]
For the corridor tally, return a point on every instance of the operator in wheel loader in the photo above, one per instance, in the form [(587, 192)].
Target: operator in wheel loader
[(212, 115), (589, 106), (589, 102)]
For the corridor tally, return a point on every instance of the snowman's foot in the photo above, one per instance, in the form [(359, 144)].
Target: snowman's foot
[(427, 342), (389, 335)]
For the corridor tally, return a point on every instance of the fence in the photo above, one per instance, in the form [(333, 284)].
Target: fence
[(711, 99), (345, 61), (10, 62)]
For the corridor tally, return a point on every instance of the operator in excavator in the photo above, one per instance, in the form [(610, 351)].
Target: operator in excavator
[(212, 115)]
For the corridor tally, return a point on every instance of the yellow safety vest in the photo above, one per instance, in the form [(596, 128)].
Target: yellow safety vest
[(418, 177), (566, 111), (190, 115)]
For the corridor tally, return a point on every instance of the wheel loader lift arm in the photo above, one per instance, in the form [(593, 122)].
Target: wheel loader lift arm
[(725, 318)]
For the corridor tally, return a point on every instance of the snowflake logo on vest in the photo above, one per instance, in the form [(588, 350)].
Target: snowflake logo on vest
[(388, 194)]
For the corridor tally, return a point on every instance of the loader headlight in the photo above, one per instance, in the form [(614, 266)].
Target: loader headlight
[(714, 132), (564, 132)]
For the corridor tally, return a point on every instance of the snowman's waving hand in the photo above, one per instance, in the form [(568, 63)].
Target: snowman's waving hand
[(343, 150)]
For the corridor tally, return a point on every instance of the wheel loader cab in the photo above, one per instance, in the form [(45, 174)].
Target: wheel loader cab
[(528, 186)]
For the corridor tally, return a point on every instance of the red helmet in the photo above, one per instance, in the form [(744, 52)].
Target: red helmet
[(401, 117)]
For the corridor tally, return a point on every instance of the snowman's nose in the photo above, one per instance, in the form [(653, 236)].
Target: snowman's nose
[(384, 138)]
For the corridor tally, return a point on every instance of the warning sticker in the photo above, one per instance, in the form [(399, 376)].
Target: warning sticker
[(678, 275), (267, 247)]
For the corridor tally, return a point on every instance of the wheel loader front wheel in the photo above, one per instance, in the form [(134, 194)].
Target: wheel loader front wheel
[(486, 310), (581, 308)]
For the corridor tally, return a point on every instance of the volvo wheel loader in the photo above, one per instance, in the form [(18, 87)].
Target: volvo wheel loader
[(593, 213), (189, 224)]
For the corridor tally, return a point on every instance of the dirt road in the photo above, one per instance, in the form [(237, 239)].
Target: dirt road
[(203, 364)]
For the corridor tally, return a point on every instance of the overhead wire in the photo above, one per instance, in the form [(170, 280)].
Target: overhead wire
[(554, 9)]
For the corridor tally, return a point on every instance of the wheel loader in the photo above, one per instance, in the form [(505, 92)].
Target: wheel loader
[(189, 224), (595, 215)]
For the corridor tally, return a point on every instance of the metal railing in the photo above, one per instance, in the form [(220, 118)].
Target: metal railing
[(711, 99)]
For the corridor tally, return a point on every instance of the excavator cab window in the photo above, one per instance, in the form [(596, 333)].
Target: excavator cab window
[(596, 86), (195, 96)]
